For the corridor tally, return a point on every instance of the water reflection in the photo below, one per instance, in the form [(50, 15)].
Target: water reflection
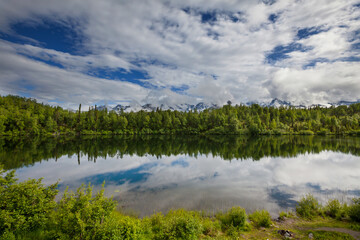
[(156, 174)]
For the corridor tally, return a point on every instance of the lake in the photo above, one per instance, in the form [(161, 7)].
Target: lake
[(146, 174)]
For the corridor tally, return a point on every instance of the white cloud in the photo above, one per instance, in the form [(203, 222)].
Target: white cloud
[(324, 83), (175, 48), (19, 74)]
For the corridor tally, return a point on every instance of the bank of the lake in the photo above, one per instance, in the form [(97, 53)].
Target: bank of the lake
[(29, 211)]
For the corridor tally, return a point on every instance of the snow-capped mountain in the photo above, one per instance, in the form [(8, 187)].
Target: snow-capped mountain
[(201, 106), (345, 103), (278, 103), (184, 107)]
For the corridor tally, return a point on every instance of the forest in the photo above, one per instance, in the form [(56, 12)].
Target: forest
[(24, 116)]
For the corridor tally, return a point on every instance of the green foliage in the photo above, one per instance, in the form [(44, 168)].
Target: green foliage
[(261, 218), (335, 209), (306, 132), (177, 224), (79, 215), (283, 215), (24, 206), (211, 227), (23, 116), (7, 235), (354, 210), (117, 226), (28, 211), (324, 235), (235, 217), (308, 207)]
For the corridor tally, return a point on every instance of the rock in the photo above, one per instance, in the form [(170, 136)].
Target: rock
[(286, 233), (311, 236)]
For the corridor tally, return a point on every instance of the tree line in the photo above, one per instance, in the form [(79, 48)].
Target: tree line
[(24, 116)]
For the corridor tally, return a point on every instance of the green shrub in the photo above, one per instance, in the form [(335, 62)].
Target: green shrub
[(7, 236), (80, 214), (117, 226), (177, 224), (261, 218), (24, 206), (210, 226), (283, 215), (335, 209), (235, 217), (306, 132), (354, 210), (308, 207)]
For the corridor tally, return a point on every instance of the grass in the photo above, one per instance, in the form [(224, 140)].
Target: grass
[(324, 235)]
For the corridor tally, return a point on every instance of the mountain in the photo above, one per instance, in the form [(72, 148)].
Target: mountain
[(278, 103), (347, 103), (201, 106), (184, 107)]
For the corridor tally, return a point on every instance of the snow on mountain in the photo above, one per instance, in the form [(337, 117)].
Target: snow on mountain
[(201, 106), (345, 103), (278, 103)]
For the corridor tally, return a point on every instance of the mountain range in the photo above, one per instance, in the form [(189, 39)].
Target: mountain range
[(201, 106)]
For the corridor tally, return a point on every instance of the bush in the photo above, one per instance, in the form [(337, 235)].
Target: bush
[(323, 131), (354, 210), (261, 218), (117, 226), (7, 236), (80, 215), (177, 224), (210, 227), (308, 207), (335, 209), (306, 132), (283, 215), (24, 206), (235, 217)]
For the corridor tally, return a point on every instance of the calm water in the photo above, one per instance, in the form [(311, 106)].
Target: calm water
[(147, 174)]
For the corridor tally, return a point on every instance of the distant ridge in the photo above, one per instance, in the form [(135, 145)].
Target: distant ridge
[(201, 106)]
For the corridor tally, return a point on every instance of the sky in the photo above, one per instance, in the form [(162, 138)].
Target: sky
[(171, 52)]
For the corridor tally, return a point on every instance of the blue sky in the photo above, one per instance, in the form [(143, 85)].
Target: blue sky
[(171, 52)]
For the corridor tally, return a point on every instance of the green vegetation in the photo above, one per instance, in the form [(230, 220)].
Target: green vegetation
[(308, 207), (235, 218), (354, 210), (261, 218), (177, 224), (335, 209), (323, 235), (28, 211), (283, 215), (17, 152), (24, 206), (22, 116)]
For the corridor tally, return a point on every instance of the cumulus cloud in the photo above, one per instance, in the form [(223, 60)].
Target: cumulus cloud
[(20, 75), (186, 49), (324, 83)]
